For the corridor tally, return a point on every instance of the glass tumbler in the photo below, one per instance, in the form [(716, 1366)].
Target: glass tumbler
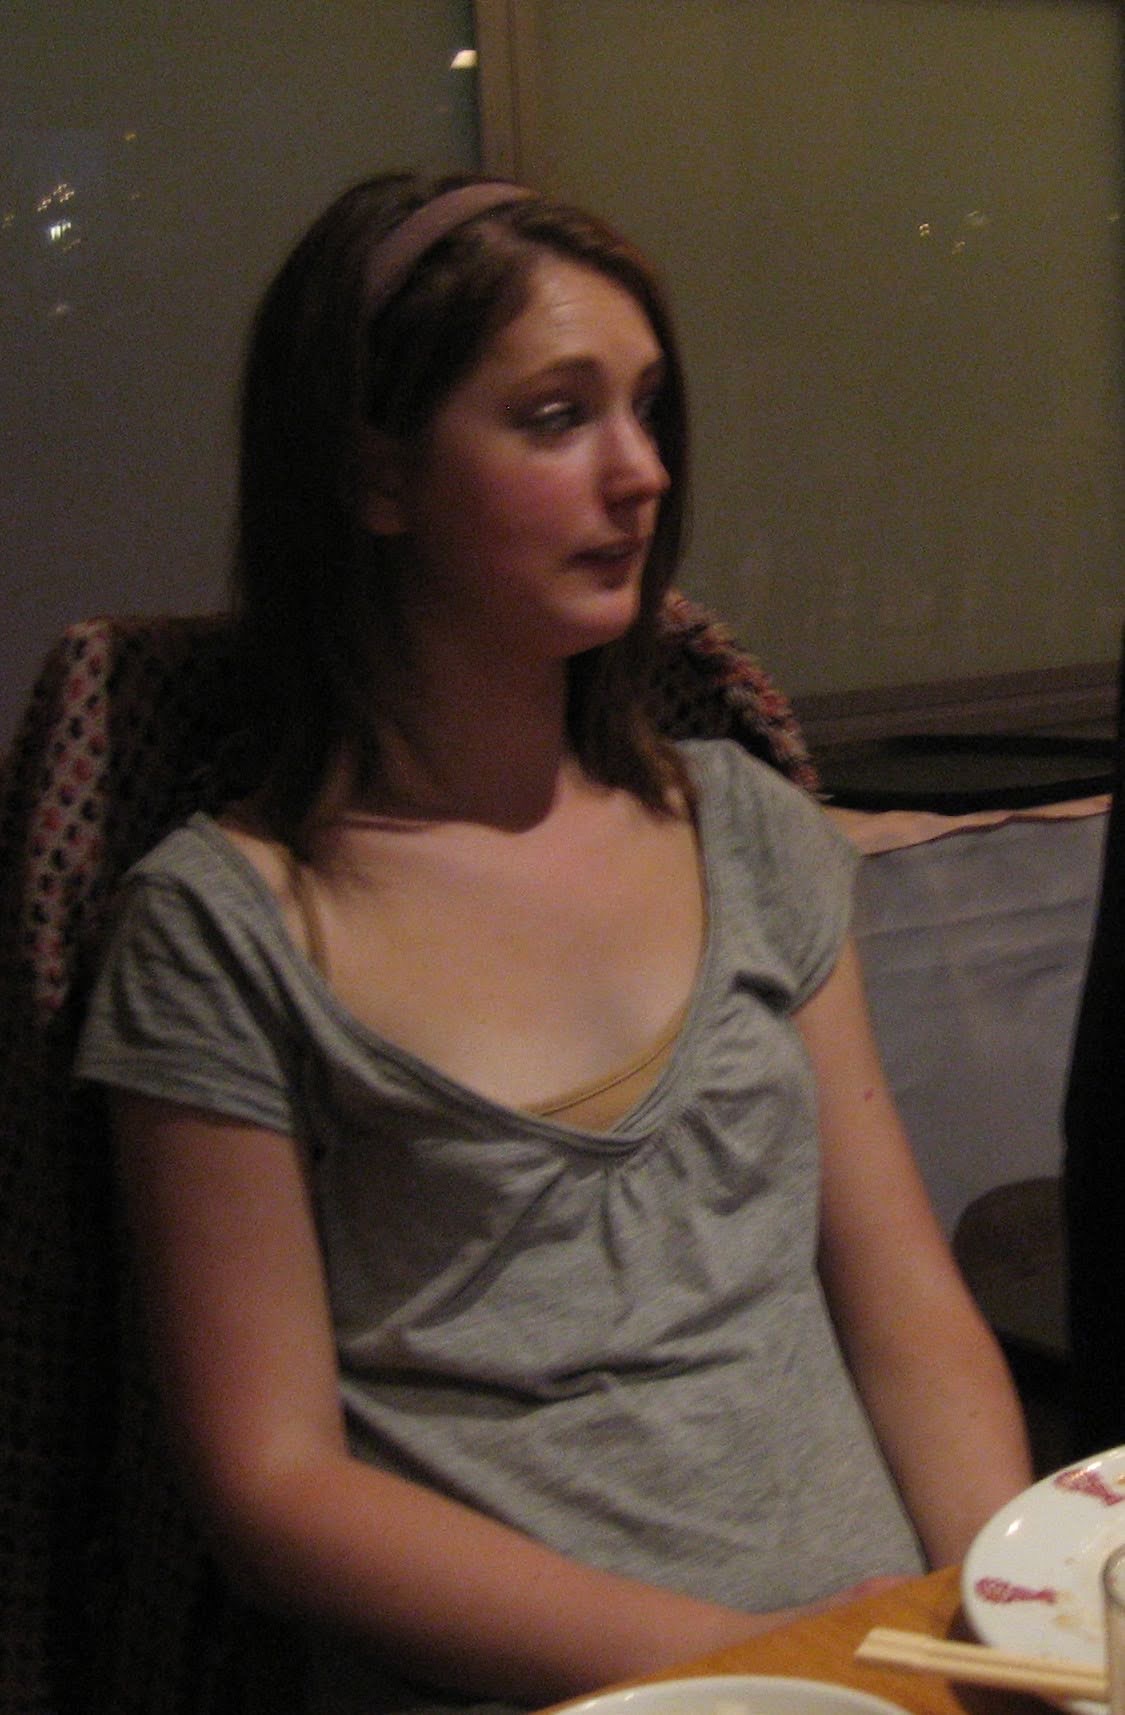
[(1113, 1587)]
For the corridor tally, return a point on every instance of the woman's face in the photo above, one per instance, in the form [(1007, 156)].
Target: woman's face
[(531, 507)]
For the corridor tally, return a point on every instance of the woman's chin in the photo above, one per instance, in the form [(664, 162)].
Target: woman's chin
[(606, 613)]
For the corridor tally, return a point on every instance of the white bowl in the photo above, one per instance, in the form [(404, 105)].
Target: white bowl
[(736, 1694)]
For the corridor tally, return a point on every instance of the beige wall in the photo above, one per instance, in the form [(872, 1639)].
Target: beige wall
[(892, 232)]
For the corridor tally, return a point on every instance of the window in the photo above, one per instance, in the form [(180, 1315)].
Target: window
[(155, 164)]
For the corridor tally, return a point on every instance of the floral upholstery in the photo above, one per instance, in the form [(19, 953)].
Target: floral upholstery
[(111, 1603)]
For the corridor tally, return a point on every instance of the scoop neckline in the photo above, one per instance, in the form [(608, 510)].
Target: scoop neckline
[(633, 1127)]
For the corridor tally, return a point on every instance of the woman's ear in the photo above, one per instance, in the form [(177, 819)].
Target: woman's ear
[(381, 484)]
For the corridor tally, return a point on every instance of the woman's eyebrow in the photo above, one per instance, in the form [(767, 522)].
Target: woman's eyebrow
[(581, 367)]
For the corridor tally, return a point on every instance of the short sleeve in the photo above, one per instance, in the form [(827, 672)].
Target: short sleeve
[(791, 869), (177, 1013)]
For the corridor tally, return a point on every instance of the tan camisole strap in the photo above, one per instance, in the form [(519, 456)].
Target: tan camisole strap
[(599, 1105), (308, 912)]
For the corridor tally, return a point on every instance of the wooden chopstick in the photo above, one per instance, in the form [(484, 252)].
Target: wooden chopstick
[(978, 1664)]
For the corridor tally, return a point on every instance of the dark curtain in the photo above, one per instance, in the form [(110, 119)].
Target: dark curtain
[(1094, 1160)]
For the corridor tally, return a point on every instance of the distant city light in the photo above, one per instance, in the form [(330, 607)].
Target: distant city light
[(464, 60), (62, 192)]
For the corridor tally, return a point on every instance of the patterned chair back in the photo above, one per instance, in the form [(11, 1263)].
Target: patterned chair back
[(111, 1604)]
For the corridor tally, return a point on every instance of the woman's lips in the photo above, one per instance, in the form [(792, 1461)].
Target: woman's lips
[(611, 553)]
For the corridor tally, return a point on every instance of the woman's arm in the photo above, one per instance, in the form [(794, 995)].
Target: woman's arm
[(241, 1332), (929, 1370)]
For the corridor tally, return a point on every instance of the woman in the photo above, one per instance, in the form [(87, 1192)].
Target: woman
[(539, 1281)]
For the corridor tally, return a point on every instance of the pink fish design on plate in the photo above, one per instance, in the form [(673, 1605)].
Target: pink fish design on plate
[(1001, 1590), (1080, 1480)]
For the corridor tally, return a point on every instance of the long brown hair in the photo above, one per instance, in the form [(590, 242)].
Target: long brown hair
[(314, 615)]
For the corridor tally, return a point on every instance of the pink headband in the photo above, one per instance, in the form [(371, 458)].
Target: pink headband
[(392, 261)]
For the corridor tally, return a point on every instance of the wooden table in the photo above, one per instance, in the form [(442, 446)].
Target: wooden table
[(823, 1647)]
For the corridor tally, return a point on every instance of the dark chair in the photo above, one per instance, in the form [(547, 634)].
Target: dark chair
[(1094, 1162), (111, 1603), (1010, 1245)]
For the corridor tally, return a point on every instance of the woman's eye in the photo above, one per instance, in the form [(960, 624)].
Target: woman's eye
[(646, 409), (554, 417)]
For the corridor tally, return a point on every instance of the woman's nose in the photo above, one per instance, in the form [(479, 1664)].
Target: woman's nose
[(633, 468)]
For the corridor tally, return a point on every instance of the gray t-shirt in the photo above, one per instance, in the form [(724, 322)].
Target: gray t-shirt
[(617, 1342)]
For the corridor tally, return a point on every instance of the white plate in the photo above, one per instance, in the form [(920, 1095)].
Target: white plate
[(1031, 1580), (736, 1694)]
